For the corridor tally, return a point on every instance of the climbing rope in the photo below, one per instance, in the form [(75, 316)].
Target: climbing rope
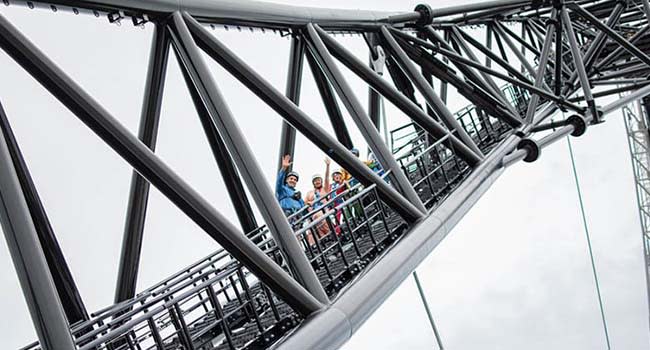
[(591, 253), (426, 308)]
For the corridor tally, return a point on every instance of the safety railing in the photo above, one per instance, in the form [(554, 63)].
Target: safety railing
[(434, 172), (342, 238), (215, 303)]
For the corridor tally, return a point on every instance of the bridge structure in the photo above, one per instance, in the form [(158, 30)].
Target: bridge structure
[(279, 282)]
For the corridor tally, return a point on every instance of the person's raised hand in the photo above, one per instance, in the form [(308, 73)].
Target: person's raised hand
[(286, 161), (328, 161)]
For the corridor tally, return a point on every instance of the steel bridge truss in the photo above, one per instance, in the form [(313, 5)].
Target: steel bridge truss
[(281, 283)]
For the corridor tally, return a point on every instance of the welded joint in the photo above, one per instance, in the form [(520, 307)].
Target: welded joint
[(532, 149)]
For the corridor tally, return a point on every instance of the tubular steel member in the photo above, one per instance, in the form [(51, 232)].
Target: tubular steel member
[(153, 169), (48, 316), (408, 107), (329, 100), (136, 211), (222, 157), (377, 63), (220, 115), (429, 33), (544, 57), (611, 34), (300, 120), (468, 89), (433, 100), (455, 36), (294, 77), (67, 290), (578, 62), (356, 111), (597, 43)]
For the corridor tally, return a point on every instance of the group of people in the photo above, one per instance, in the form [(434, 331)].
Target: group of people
[(324, 189), (291, 199)]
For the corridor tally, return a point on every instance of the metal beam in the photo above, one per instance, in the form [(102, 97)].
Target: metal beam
[(68, 292), (330, 102), (399, 100), (36, 282), (361, 119), (470, 74), (578, 62), (129, 264), (612, 34), (539, 78), (153, 169), (299, 120), (229, 174), (474, 94), (455, 57), (294, 78), (250, 13), (235, 142), (430, 96)]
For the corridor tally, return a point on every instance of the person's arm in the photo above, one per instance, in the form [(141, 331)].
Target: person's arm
[(279, 184), (328, 186), (309, 198)]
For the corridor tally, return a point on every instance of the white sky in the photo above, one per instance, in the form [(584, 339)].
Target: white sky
[(513, 274)]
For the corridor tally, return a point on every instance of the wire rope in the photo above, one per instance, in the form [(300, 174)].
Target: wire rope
[(591, 253), (428, 311)]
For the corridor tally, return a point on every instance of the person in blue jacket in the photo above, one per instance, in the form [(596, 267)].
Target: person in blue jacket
[(285, 188)]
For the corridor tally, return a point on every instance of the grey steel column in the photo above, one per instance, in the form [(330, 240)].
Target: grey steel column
[(153, 169), (499, 30), (539, 78), (458, 39), (257, 183), (291, 113), (488, 42), (399, 100), (578, 62), (330, 103), (374, 99), (67, 289), (478, 79), (40, 293), (433, 100), (129, 264), (224, 161), (362, 120), (559, 48), (294, 78)]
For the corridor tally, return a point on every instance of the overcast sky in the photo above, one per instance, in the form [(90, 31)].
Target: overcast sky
[(513, 274)]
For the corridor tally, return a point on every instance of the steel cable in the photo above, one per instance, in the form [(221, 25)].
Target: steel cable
[(428, 311), (591, 253)]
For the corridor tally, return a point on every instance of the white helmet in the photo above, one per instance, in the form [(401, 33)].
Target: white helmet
[(316, 176)]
